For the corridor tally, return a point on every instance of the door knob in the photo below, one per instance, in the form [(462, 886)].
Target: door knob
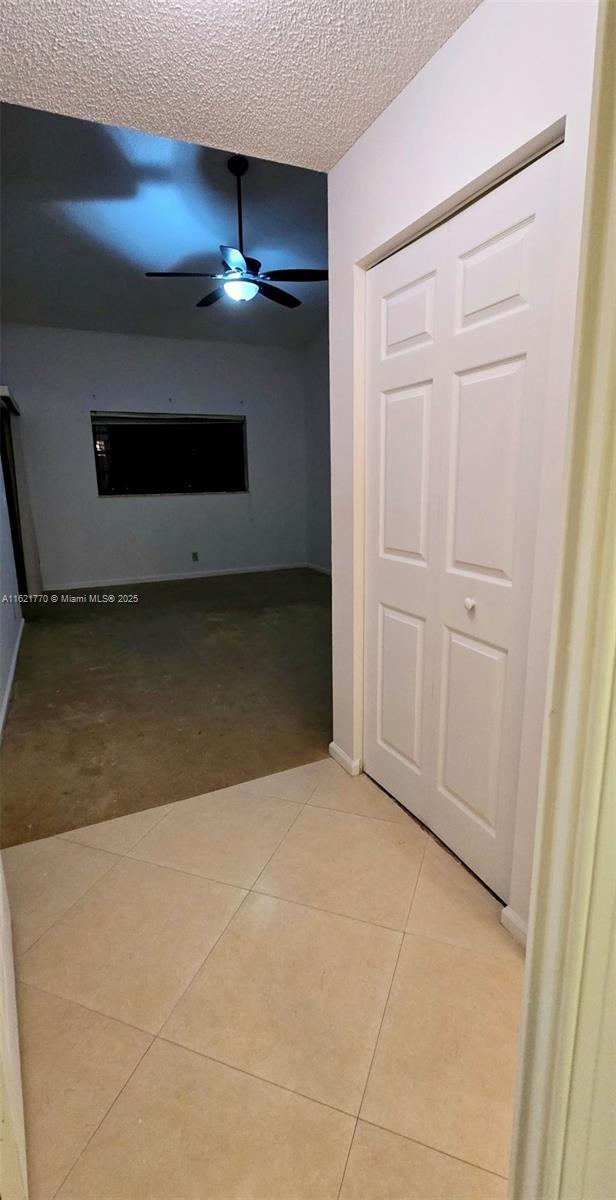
[(469, 604)]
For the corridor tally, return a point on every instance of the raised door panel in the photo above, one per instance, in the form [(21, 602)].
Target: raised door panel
[(483, 475), (407, 316), (400, 689), (405, 439), (494, 277), (471, 729)]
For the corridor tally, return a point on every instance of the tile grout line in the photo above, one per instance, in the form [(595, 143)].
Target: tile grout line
[(228, 925), (355, 816), (425, 937), (257, 796), (154, 1037), (96, 1012), (415, 889), (221, 1062), (376, 1040), (367, 817), (275, 850), (125, 853), (346, 1161), (104, 1116), (417, 881), (332, 911), (435, 1149), (285, 835), (237, 887), (203, 962), (66, 836), (70, 999), (20, 954), (244, 887)]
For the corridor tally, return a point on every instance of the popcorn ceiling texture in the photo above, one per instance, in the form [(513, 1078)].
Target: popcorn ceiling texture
[(292, 80)]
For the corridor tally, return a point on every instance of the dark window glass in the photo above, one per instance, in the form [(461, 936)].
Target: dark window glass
[(143, 454)]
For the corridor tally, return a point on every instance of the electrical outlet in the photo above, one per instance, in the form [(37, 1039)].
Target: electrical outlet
[(195, 556)]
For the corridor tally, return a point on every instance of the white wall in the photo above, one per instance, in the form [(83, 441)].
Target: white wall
[(318, 481), (58, 376), (11, 621), (509, 73)]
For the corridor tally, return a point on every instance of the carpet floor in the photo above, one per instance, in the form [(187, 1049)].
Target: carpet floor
[(201, 684)]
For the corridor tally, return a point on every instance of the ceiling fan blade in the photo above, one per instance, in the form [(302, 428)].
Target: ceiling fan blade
[(277, 294), (299, 276), (253, 264), (211, 298), (233, 258), (179, 275)]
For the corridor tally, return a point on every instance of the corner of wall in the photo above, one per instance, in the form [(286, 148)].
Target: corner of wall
[(316, 424)]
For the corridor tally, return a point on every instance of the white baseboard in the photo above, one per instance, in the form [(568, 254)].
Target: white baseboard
[(351, 765), (322, 570), (119, 582), (514, 925), (4, 704)]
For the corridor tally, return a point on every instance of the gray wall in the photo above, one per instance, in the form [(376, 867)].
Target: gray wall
[(318, 497), (60, 375)]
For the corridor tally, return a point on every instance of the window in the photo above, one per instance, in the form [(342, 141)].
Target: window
[(146, 454)]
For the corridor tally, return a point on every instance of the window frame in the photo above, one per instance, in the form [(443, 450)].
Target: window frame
[(99, 417)]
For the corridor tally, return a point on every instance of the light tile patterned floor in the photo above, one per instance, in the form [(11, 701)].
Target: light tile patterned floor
[(284, 990)]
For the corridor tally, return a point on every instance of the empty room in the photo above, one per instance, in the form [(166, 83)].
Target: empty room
[(175, 444), (308, 596)]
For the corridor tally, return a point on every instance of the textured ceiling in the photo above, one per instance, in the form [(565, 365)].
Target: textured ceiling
[(87, 208), (296, 81)]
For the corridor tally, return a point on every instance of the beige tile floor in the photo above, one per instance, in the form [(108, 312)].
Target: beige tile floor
[(286, 990)]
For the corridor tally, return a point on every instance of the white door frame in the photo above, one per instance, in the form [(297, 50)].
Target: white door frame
[(564, 1126), (550, 511)]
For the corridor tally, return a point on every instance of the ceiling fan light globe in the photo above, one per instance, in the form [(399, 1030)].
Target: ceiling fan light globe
[(240, 289)]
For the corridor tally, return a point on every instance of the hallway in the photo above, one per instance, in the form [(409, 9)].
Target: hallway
[(283, 989)]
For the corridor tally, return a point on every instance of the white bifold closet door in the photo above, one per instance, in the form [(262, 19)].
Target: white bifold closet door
[(457, 345)]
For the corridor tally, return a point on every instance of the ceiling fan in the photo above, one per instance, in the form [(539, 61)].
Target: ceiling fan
[(242, 278)]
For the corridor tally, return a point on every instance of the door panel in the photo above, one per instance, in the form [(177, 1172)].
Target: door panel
[(457, 330), (408, 316), (405, 432), (494, 277), (470, 751), (401, 661), (483, 471)]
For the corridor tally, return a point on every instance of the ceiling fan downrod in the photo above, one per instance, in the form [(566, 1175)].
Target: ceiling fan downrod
[(238, 166)]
